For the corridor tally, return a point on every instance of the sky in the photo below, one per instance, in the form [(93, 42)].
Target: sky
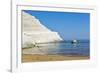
[(69, 25)]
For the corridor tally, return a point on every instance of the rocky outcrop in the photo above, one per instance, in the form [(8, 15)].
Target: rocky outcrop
[(35, 32)]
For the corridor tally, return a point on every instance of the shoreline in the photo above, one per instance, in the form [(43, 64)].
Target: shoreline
[(42, 58)]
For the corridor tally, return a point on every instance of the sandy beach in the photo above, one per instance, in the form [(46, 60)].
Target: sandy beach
[(38, 58), (40, 54)]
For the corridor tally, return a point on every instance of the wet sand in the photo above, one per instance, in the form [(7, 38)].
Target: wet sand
[(39, 58)]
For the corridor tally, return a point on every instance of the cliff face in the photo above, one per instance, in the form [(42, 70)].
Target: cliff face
[(35, 32)]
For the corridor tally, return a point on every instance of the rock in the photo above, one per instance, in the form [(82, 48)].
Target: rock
[(35, 32)]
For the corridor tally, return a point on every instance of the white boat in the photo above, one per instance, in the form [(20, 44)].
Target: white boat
[(74, 41)]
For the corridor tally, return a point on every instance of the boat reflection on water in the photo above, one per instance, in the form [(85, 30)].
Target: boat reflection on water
[(74, 43)]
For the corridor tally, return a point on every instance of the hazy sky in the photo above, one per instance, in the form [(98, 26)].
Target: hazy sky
[(69, 25)]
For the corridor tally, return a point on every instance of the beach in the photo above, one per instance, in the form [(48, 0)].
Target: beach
[(42, 41), (55, 52), (39, 58)]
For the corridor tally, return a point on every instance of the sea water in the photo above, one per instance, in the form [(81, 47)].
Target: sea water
[(68, 48)]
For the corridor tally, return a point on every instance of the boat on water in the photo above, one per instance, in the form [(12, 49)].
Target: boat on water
[(74, 41)]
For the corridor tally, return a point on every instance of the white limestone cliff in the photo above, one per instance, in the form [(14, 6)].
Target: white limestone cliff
[(35, 32)]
